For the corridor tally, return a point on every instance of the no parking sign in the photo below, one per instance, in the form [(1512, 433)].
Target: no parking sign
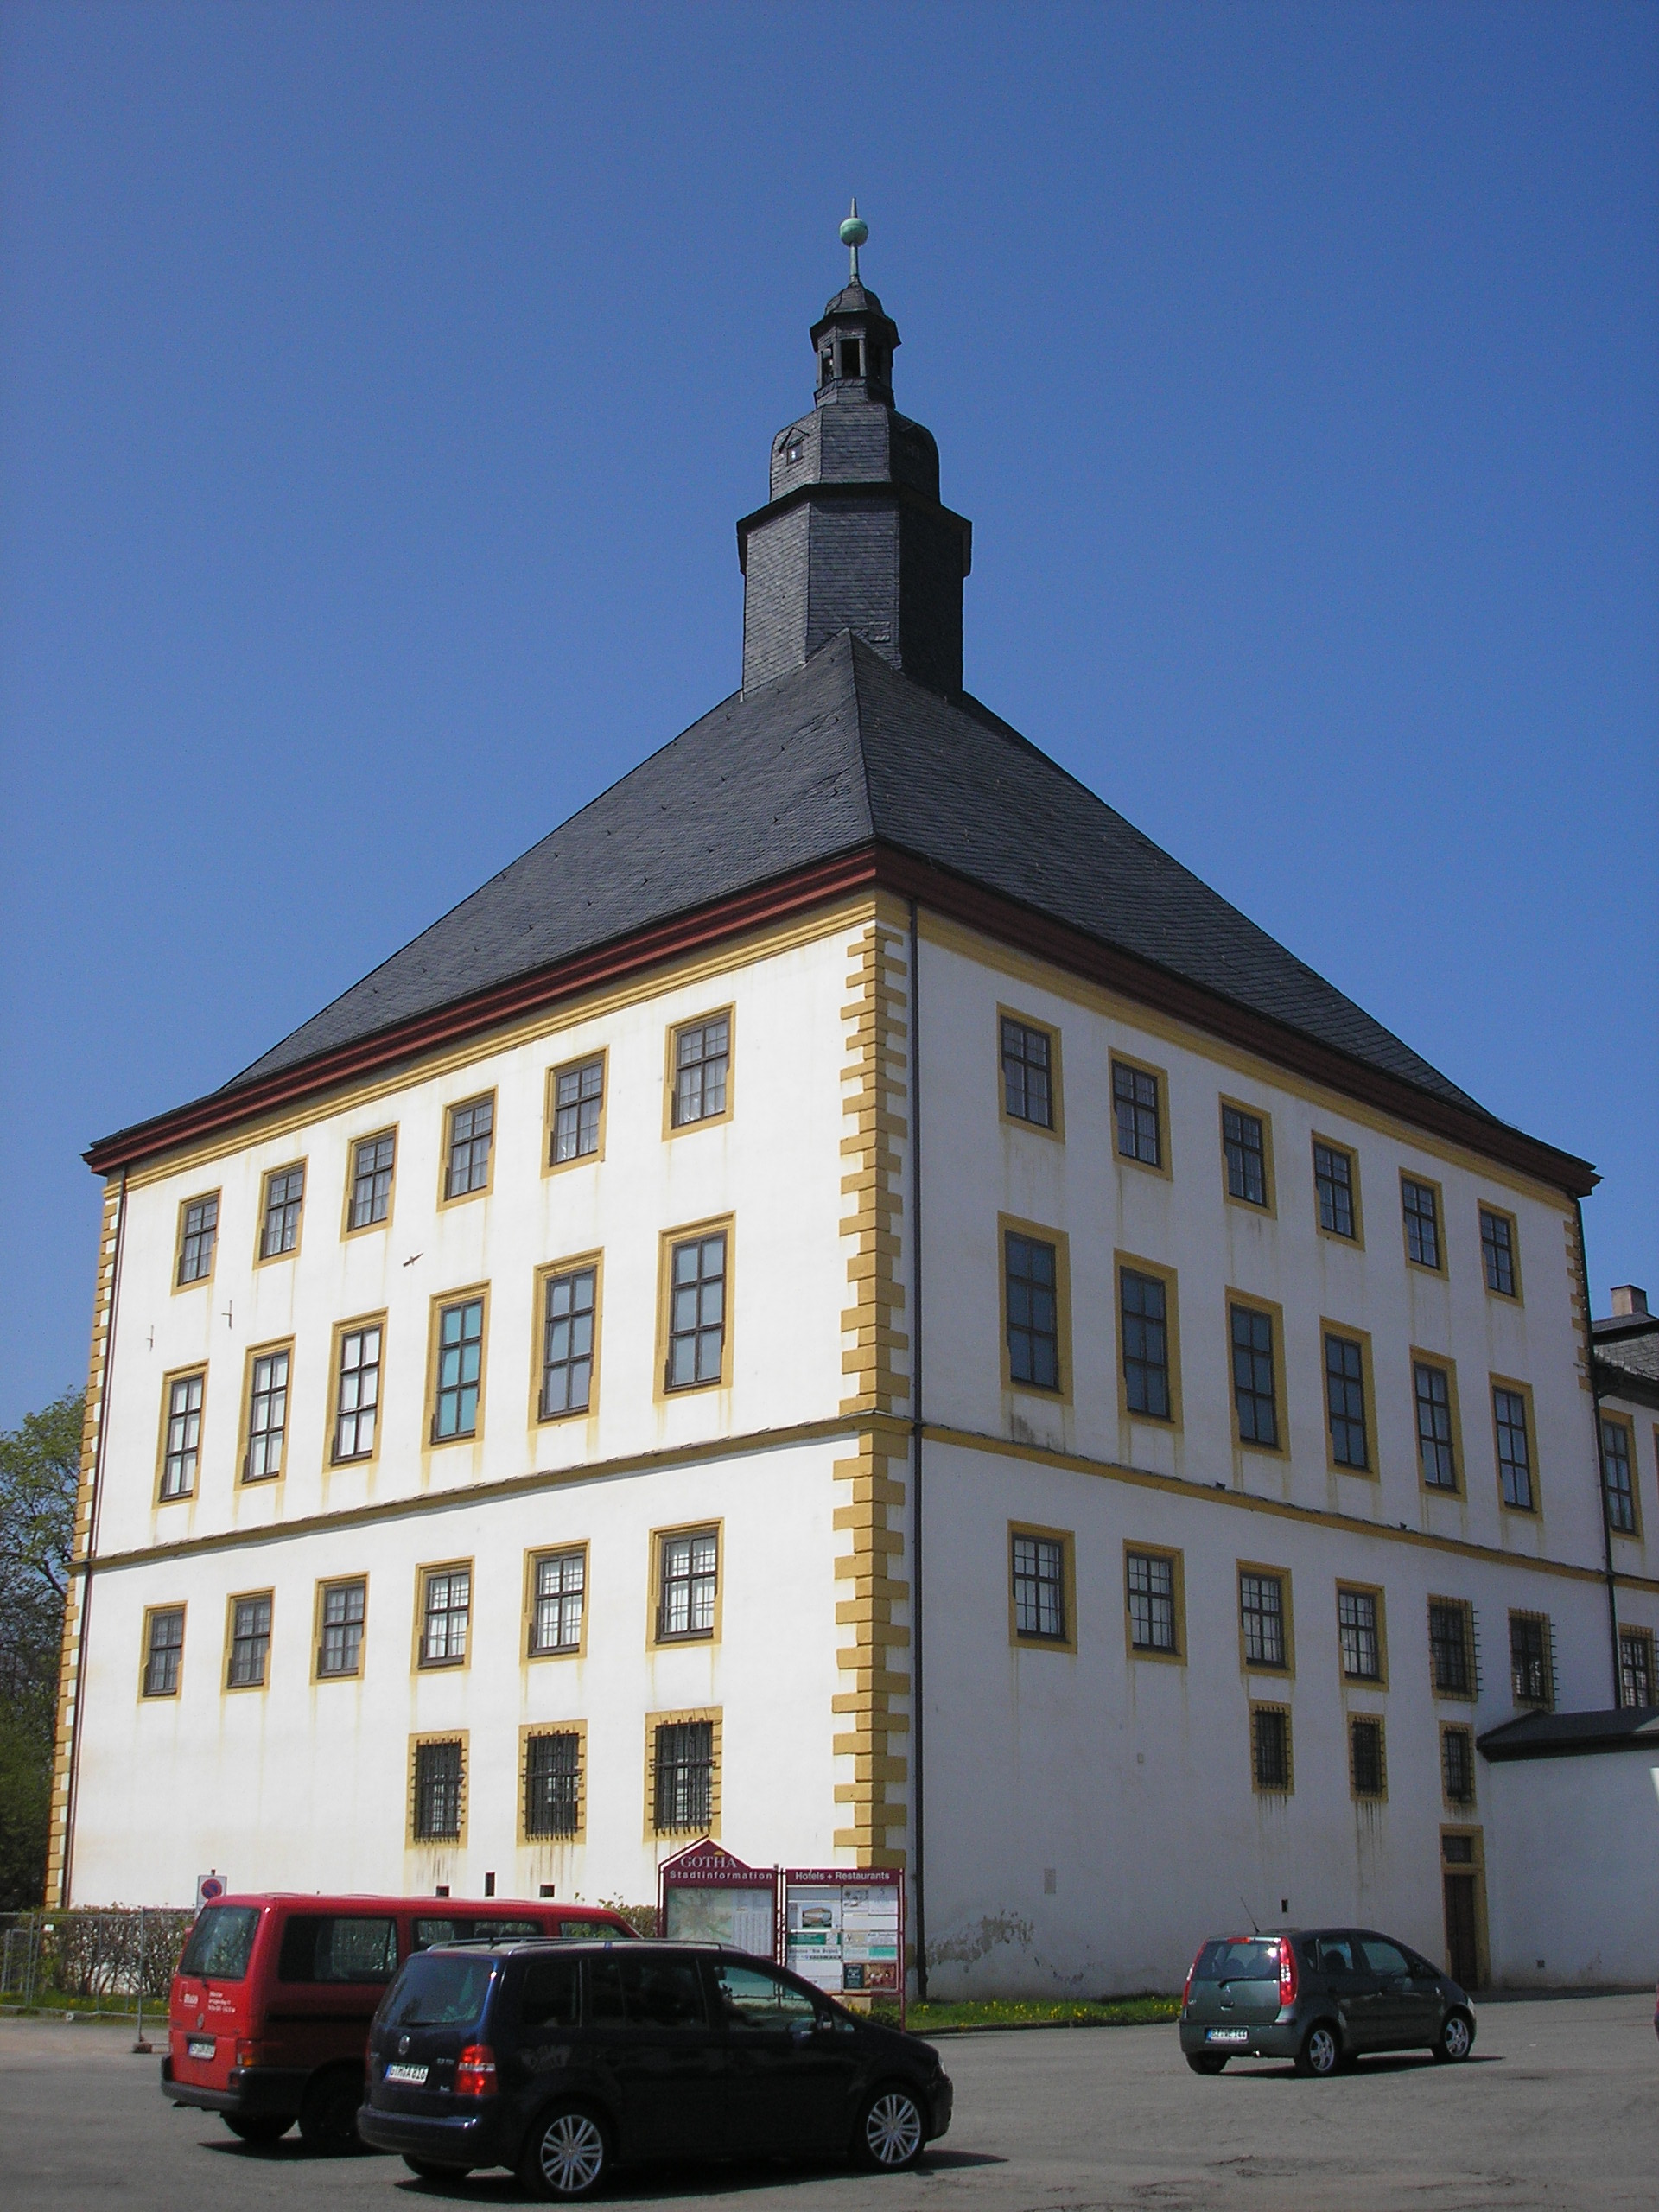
[(209, 1889)]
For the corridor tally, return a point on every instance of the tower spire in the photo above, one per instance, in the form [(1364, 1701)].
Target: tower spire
[(854, 231)]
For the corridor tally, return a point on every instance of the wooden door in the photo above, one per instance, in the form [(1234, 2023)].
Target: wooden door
[(1462, 1950)]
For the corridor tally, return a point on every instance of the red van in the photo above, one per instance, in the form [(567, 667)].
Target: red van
[(269, 2018)]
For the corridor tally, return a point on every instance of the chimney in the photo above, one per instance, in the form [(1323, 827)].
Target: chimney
[(1628, 1301)]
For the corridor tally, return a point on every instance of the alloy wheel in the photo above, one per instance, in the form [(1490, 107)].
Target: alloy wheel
[(1321, 2050), (893, 2129), (1455, 2037), (571, 2154)]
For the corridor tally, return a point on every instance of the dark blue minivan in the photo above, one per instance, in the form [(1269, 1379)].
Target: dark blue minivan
[(563, 2060)]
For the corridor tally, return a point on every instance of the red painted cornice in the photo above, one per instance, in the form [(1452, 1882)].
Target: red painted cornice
[(868, 867)]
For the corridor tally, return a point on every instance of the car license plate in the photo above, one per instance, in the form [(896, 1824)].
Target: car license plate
[(413, 2074), (200, 2046), (1228, 2035)]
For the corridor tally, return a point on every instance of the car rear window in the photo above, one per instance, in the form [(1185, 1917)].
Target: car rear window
[(440, 1989), (576, 1931), (1240, 1958), (221, 1943), (428, 1932), (339, 1947)]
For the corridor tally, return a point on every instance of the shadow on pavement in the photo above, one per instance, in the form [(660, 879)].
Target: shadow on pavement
[(668, 2185)]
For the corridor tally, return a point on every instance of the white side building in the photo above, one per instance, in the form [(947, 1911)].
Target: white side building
[(846, 1303)]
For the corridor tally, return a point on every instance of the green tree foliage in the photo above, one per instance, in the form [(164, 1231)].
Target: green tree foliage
[(40, 1475)]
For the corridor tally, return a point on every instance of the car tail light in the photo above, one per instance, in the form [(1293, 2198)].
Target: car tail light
[(248, 2053), (1286, 1971), (475, 2071), (1190, 1971)]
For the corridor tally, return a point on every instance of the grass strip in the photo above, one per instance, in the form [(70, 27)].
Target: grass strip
[(1031, 2012)]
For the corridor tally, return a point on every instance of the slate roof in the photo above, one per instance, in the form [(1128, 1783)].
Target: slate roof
[(816, 763), (1627, 1352), (1573, 1735)]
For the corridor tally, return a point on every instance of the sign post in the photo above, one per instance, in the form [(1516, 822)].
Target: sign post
[(704, 1895), (844, 1930)]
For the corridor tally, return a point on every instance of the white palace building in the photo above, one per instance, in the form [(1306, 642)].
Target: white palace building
[(847, 1304)]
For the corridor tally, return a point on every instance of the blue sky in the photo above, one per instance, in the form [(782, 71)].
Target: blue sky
[(381, 384)]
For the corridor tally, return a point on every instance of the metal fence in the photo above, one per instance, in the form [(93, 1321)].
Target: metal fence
[(120, 1959)]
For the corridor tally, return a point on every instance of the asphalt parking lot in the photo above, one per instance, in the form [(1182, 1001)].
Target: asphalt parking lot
[(1559, 2107)]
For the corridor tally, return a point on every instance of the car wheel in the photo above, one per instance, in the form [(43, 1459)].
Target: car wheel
[(1321, 2052), (891, 2131), (566, 2156), (435, 2170), (1205, 2062), (328, 2114), (258, 2126), (1456, 2039)]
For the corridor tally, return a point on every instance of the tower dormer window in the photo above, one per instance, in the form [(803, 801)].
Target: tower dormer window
[(793, 451), (826, 365), (852, 357)]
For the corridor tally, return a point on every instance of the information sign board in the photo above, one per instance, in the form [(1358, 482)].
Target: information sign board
[(844, 1929), (706, 1896)]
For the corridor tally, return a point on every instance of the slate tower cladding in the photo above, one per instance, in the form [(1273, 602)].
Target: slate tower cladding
[(854, 537)]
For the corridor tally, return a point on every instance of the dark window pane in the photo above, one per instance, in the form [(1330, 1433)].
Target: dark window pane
[(689, 1577), (1152, 1602), (1333, 1178), (371, 1164), (556, 1623), (164, 1653), (697, 1312), (1034, 1314), (329, 1947), (221, 1943), (1458, 1765), (1243, 1141), (1253, 1379), (461, 1362), (702, 1066), (341, 1650), (553, 1784), (547, 1995), (567, 1342), (1039, 1587), (1616, 1487), (1434, 1450), (1261, 1610), (250, 1643), (183, 1452), (1134, 1097), (684, 1781), (1366, 1740), (1450, 1649), (1345, 1398), (1142, 1300), (437, 1792), (471, 1128), (578, 1095), (447, 1616), (1636, 1668), (1531, 1668), (1362, 1650), (1497, 1250), (1514, 1451), (285, 1196), (1027, 1089), (1270, 1743), (1422, 1223), (200, 1235)]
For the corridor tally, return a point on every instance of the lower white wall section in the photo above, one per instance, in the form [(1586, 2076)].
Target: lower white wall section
[(304, 1784), (1572, 1870)]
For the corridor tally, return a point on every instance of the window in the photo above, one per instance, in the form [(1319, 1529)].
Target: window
[(1344, 1402), (164, 1651), (198, 1236), (1451, 1661), (688, 1585), (1254, 1397), (1420, 1205), (752, 1998), (560, 1583), (1514, 1451), (340, 1647), (356, 1392), (328, 1947), (1458, 1765), (1635, 1666), (1359, 1635), (371, 1166), (1365, 1756), (696, 1311), (249, 1642), (1532, 1669), (1616, 1488), (702, 1060), (682, 1775), (1270, 1747), (1333, 1179), (438, 1784), (1498, 1251), (578, 1103), (568, 1303), (1028, 1085), (279, 1231), (1243, 1144), (1033, 1313), (1143, 1304), (1151, 1577), (1134, 1097), (460, 1363), (553, 1784), (793, 451), (1261, 1618), (1435, 1455), (1040, 1606), (467, 1167), (181, 1438), (446, 1613), (267, 1417), (547, 1995)]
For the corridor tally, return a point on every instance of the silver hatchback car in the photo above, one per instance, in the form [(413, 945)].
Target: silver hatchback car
[(1320, 1997)]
